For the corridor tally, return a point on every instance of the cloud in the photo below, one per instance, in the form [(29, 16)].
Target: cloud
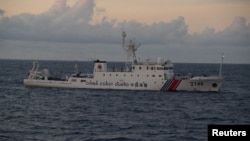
[(81, 12), (158, 33), (73, 24), (62, 23), (59, 4), (236, 34), (1, 12)]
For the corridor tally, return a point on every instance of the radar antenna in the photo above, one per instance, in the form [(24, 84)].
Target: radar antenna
[(130, 48)]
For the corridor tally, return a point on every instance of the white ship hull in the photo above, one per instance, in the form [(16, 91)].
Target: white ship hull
[(192, 84)]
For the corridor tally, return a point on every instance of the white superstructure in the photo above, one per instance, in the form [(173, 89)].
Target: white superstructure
[(156, 76)]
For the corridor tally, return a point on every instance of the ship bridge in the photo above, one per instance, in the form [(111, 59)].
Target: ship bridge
[(161, 68)]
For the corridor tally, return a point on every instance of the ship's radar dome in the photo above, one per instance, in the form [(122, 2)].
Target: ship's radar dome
[(160, 61)]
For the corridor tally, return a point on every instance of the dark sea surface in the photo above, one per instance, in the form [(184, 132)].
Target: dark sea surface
[(54, 114)]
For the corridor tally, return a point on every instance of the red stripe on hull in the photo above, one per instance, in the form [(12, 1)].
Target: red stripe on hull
[(173, 85)]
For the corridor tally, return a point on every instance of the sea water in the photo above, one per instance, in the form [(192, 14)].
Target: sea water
[(59, 114)]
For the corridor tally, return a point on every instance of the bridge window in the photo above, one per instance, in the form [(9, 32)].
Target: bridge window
[(168, 68), (160, 68)]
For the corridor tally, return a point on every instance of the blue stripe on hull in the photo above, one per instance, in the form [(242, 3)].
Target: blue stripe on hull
[(166, 85)]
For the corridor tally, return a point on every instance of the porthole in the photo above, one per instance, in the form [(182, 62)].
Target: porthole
[(214, 85)]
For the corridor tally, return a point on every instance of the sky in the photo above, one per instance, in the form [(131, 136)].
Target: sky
[(188, 31)]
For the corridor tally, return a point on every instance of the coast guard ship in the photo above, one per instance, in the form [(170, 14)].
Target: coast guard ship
[(154, 76)]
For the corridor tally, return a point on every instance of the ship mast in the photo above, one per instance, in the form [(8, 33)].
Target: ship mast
[(222, 60), (123, 39), (130, 48)]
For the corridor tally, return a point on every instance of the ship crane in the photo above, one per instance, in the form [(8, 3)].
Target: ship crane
[(130, 48)]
